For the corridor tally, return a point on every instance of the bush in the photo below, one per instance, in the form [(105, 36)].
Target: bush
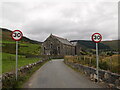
[(103, 65)]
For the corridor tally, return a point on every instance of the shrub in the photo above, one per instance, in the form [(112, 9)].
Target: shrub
[(103, 65)]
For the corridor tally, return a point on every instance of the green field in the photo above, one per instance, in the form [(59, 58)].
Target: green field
[(28, 50), (23, 48), (8, 61), (25, 51), (8, 42)]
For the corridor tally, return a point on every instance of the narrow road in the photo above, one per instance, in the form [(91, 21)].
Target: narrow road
[(55, 74)]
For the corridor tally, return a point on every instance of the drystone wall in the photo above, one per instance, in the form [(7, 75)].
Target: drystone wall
[(8, 77), (111, 79)]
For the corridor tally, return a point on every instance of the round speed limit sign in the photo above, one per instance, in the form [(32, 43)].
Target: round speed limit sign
[(96, 37), (17, 35)]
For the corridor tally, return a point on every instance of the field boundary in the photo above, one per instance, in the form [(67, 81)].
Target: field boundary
[(111, 79), (9, 81)]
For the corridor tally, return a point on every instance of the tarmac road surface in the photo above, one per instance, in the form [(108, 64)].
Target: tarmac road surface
[(55, 74)]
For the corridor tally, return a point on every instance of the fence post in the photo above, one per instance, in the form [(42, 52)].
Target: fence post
[(90, 60), (110, 63)]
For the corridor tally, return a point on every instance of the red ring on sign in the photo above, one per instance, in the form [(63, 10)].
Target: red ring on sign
[(100, 38), (19, 38)]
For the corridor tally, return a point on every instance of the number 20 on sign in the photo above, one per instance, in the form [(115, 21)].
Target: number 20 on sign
[(16, 35), (97, 37)]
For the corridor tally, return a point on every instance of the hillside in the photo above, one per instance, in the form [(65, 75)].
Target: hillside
[(29, 51), (26, 46), (87, 44), (112, 44), (6, 37)]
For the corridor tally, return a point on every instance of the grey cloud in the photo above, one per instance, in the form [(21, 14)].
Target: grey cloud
[(13, 12), (68, 20)]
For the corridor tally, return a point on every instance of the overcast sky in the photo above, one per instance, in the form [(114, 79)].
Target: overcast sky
[(71, 20)]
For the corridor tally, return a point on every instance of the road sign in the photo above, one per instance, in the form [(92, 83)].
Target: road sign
[(97, 37), (16, 35)]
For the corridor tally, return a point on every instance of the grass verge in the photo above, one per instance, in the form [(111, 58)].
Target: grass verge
[(9, 62), (22, 78)]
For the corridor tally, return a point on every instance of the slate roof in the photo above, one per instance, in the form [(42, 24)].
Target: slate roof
[(62, 40)]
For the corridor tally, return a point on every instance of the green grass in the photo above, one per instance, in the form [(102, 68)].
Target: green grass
[(8, 61), (23, 48), (12, 83), (27, 48), (8, 41)]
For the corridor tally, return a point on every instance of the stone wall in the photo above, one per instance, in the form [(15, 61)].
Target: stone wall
[(111, 79), (9, 76)]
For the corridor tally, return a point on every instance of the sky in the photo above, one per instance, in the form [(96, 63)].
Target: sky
[(72, 20)]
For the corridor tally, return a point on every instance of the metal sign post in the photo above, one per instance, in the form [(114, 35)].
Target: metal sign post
[(96, 37), (16, 35), (16, 59), (97, 60)]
